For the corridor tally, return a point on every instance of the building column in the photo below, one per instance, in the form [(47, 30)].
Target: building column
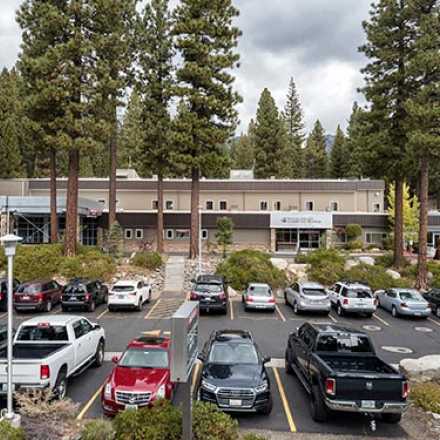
[(273, 240)]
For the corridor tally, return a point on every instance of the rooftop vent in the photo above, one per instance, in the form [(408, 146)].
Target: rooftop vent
[(241, 174)]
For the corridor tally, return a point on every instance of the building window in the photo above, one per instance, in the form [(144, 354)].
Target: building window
[(128, 234), (377, 238), (223, 205), (376, 207), (139, 234), (263, 205), (182, 234), (102, 202), (334, 206), (309, 205), (169, 205), (277, 206), (204, 234), (154, 204), (169, 234), (209, 205)]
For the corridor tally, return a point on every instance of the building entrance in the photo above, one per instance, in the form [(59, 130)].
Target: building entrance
[(293, 240)]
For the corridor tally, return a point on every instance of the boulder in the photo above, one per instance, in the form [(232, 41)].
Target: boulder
[(349, 264), (367, 260), (279, 263), (393, 274), (424, 369), (299, 271)]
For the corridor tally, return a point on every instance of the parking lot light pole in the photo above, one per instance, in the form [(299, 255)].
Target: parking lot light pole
[(199, 261), (10, 243)]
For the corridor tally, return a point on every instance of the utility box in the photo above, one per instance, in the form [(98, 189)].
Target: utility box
[(184, 341)]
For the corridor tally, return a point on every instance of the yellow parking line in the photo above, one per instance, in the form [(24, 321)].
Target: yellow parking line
[(332, 318), (89, 403), (279, 313), (195, 376), (434, 321), (284, 400), (152, 309), (102, 314), (231, 310), (381, 320)]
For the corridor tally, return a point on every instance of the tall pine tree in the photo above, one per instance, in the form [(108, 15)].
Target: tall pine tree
[(316, 160), (207, 41), (339, 159), (356, 144), (242, 152)]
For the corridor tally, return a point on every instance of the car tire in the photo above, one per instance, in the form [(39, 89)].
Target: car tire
[(339, 310), (317, 406), (437, 312), (92, 306), (149, 297), (139, 306), (64, 309), (60, 389), (289, 369), (285, 299), (110, 309), (295, 308), (267, 409), (225, 311), (391, 418), (99, 355), (368, 315), (48, 306), (394, 312)]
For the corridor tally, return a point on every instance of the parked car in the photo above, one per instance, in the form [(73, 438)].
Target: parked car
[(259, 296), (307, 297), (129, 293), (4, 292), (84, 294), (404, 302), (352, 297), (433, 298), (3, 337), (141, 376), (234, 375), (339, 369), (37, 295), (211, 292), (48, 350)]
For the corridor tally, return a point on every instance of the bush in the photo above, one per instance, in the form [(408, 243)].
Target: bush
[(148, 260), (252, 436), (8, 432), (247, 266), (387, 261), (326, 265), (353, 231), (211, 424), (354, 245), (98, 430), (427, 396)]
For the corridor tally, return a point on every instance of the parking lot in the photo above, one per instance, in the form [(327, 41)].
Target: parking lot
[(394, 338)]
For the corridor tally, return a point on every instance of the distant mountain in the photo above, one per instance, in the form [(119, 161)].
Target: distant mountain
[(329, 141)]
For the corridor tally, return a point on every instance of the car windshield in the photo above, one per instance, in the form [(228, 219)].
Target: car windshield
[(123, 288), (414, 296), (144, 358), (29, 289), (344, 343), (260, 291), (223, 353), (358, 293), (212, 288), (43, 332), (314, 292), (75, 288)]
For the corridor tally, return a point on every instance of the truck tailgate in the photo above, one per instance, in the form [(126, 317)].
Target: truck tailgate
[(23, 371), (365, 388)]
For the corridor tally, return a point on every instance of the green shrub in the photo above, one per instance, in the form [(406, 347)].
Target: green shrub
[(252, 436), (148, 260), (353, 231), (387, 261), (354, 245), (162, 421), (326, 265), (244, 267), (98, 430), (426, 396), (8, 432), (211, 424)]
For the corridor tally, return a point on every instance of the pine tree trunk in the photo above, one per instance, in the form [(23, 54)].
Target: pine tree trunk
[(195, 190), (72, 204), (422, 270), (398, 224), (53, 197), (112, 174), (160, 222)]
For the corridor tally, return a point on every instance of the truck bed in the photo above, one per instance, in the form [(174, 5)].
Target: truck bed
[(354, 364), (32, 351)]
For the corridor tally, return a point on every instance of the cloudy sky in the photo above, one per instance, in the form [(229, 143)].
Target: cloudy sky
[(313, 41)]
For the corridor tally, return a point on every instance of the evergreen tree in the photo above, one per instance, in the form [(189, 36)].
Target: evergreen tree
[(293, 118), (388, 86), (339, 157), (316, 160), (224, 234), (271, 142), (155, 53), (243, 153), (355, 144), (206, 39)]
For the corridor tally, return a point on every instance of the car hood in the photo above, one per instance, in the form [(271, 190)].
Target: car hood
[(138, 379), (236, 375)]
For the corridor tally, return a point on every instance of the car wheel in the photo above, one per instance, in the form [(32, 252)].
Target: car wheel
[(391, 418), (394, 312), (285, 299), (289, 369), (139, 306), (368, 315), (92, 306), (48, 307), (149, 296), (110, 309), (317, 406), (437, 312), (99, 355), (268, 408), (60, 389), (295, 308), (340, 310), (64, 309)]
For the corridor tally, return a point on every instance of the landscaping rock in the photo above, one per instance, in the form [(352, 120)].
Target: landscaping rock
[(424, 369), (393, 274), (430, 276), (298, 271), (279, 263), (367, 260), (349, 264)]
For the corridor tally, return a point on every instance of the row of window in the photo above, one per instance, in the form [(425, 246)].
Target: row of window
[(169, 234)]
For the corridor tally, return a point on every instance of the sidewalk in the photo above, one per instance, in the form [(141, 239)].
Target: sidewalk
[(174, 277)]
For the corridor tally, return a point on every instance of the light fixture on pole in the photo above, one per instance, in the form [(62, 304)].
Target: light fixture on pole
[(10, 243), (199, 261)]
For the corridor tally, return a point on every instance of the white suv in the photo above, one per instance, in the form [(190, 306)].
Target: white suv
[(352, 297), (129, 293)]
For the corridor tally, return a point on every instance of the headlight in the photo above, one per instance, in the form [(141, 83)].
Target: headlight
[(209, 386), (108, 391), (261, 388), (161, 392)]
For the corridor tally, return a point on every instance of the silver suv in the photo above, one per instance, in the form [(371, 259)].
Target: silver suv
[(352, 297), (307, 297)]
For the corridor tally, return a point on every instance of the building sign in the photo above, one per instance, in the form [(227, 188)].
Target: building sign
[(184, 342), (301, 220)]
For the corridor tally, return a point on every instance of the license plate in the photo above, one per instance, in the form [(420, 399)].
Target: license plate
[(417, 314), (131, 407), (368, 404), (121, 297), (5, 387), (26, 297), (235, 402), (72, 298)]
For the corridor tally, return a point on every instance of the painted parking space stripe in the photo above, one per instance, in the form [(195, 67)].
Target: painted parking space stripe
[(3, 315), (332, 317), (102, 314), (284, 401), (87, 406), (283, 318), (152, 309), (381, 320), (231, 309), (434, 321)]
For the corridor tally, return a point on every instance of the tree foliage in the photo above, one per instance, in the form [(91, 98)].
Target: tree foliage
[(242, 152), (224, 233), (316, 160), (339, 158)]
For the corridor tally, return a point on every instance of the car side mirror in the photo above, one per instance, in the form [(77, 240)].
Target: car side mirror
[(193, 280), (201, 357), (266, 359), (115, 359), (96, 326)]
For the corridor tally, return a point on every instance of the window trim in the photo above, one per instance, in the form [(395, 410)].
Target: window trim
[(172, 205), (336, 202), (213, 205), (378, 205), (274, 205), (305, 205), (141, 237), (154, 205), (205, 234), (169, 234), (127, 232), (220, 205), (267, 205)]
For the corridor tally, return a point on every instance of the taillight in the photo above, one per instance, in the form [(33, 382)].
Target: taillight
[(271, 300), (405, 390), (222, 296), (250, 299), (404, 305), (330, 386), (44, 372), (134, 293), (39, 296), (345, 302), (194, 296), (87, 296)]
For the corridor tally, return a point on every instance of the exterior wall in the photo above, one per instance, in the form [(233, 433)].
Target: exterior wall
[(14, 187)]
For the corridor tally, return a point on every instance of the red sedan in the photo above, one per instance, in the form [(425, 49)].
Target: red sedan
[(141, 376)]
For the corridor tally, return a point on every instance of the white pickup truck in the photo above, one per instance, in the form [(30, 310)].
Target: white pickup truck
[(47, 350)]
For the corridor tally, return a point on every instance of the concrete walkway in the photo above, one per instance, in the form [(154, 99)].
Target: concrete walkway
[(174, 277)]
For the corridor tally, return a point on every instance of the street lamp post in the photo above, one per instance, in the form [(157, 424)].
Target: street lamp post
[(10, 242), (199, 262)]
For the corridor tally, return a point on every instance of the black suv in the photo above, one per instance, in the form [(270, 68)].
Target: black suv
[(4, 292), (433, 297), (234, 375), (211, 292), (83, 293)]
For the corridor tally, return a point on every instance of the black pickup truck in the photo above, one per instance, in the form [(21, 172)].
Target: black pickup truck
[(339, 368)]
